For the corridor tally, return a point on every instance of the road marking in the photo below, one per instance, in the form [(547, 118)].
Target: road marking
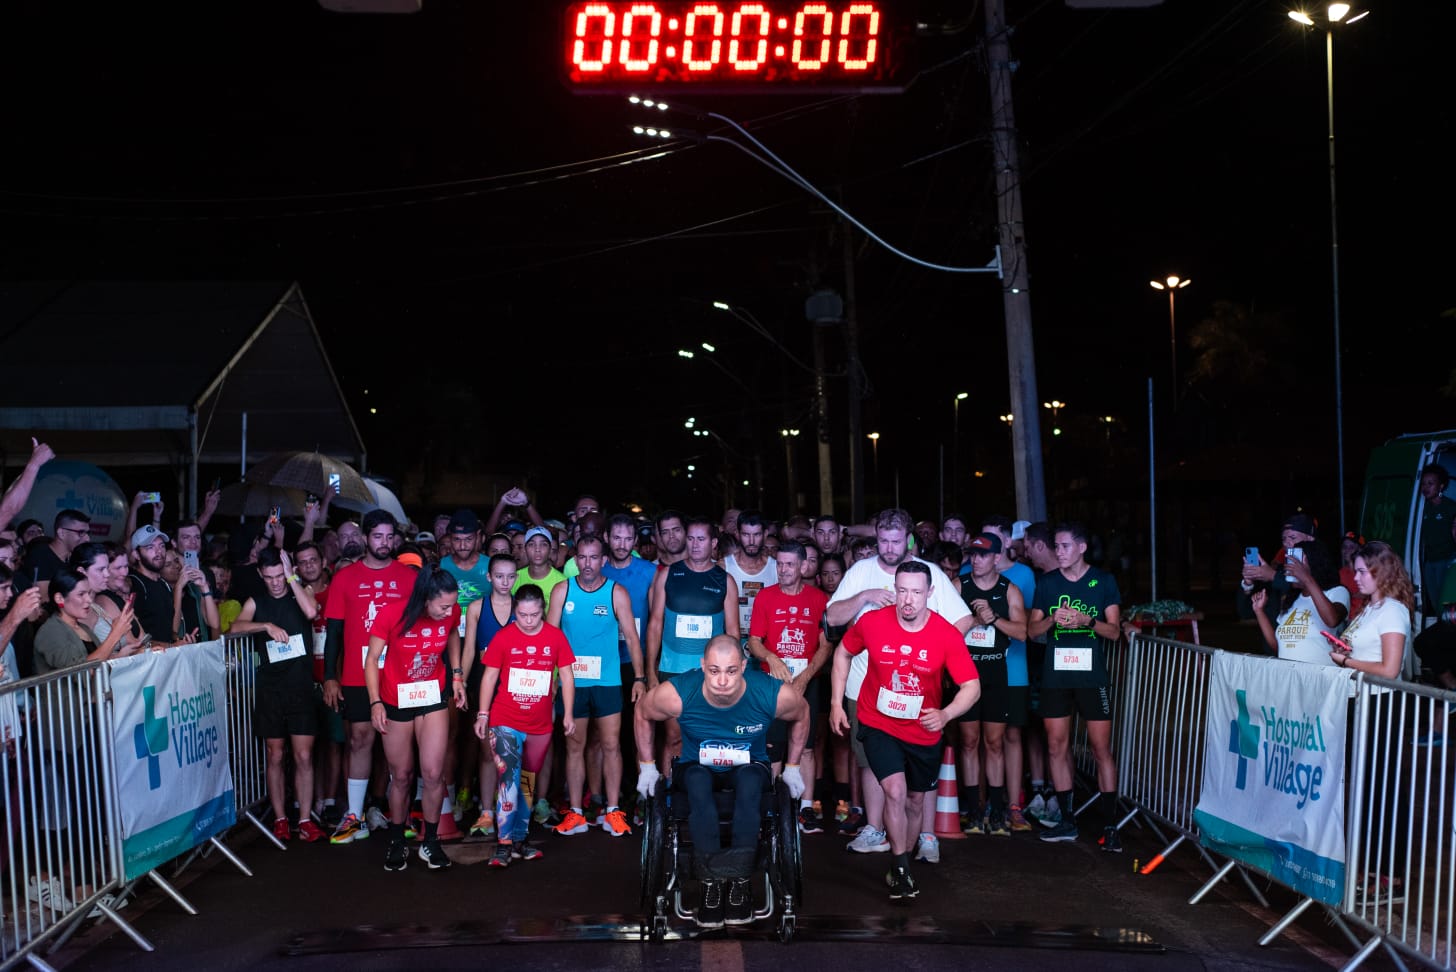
[(721, 957)]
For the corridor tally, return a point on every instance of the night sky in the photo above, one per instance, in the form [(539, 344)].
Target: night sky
[(482, 253)]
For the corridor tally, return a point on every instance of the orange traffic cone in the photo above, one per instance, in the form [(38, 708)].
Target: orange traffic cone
[(448, 832), (947, 799)]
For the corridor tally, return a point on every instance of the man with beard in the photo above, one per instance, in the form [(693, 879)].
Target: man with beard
[(351, 544), (868, 585), (671, 538), (750, 566), (153, 594), (357, 594)]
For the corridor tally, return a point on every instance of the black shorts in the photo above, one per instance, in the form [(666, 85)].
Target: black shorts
[(330, 723), (889, 755), (1005, 704), (356, 703), (1035, 659), (1092, 703), (395, 714), (778, 730), (592, 702), (284, 710)]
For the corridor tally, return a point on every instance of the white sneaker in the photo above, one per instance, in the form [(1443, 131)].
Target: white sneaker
[(869, 841), (375, 819), (1051, 815), (50, 895), (1035, 808), (929, 851)]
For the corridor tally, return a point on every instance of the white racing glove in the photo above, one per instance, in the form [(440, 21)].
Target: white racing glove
[(794, 780), (647, 777)]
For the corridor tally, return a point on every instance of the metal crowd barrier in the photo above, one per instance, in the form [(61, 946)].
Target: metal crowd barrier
[(63, 861), (247, 753)]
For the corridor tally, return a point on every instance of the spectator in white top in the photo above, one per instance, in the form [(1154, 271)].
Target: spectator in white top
[(1378, 635), (1316, 602)]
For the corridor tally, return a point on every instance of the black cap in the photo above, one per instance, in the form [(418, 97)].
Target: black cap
[(1301, 523), (988, 542), (464, 521)]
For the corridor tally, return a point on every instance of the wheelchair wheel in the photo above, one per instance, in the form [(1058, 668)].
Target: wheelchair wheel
[(789, 861), (653, 854)]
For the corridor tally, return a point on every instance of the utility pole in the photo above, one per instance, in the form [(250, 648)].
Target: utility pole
[(856, 390), (821, 425), (1021, 355)]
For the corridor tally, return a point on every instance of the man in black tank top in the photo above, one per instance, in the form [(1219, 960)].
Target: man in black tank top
[(153, 594)]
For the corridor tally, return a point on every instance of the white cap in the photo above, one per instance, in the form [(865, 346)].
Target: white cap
[(1018, 529)]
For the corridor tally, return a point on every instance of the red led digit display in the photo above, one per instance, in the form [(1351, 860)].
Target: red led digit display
[(733, 45)]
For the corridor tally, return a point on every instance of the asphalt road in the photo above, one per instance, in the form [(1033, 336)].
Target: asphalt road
[(992, 903)]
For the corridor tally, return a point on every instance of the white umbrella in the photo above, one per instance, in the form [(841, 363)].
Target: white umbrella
[(384, 499)]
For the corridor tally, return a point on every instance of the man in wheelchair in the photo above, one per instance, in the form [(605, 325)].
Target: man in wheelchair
[(724, 712)]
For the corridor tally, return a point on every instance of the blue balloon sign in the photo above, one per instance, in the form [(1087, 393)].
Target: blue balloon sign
[(67, 485)]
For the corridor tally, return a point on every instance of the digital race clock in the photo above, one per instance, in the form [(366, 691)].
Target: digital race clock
[(840, 45)]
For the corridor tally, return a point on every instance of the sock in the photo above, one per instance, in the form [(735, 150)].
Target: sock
[(1064, 804), (841, 792), (396, 832), (901, 861), (806, 804), (446, 806), (1109, 808), (612, 809), (432, 830), (328, 801), (998, 799), (358, 790)]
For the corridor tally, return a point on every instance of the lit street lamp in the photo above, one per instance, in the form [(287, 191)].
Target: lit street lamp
[(1336, 14), (1172, 285), (1056, 408), (955, 445), (874, 438)]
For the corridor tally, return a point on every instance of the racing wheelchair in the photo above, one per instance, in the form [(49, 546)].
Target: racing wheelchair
[(668, 862)]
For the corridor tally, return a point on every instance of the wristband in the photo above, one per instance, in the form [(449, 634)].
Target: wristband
[(481, 715), (205, 593), (376, 702), (456, 671), (293, 578), (640, 678)]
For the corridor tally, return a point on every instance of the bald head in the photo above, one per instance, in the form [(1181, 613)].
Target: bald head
[(723, 671)]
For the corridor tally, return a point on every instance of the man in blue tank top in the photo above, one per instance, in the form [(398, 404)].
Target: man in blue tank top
[(725, 714), (591, 611)]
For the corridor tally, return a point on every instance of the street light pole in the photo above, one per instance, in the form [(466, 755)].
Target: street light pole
[(955, 448), (874, 438), (1172, 285), (1335, 13)]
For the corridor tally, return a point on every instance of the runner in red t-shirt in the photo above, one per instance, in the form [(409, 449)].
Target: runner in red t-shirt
[(328, 751), (911, 649), (356, 595), (786, 633), (518, 722), (405, 677)]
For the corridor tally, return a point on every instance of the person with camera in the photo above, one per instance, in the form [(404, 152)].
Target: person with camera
[(1315, 604)]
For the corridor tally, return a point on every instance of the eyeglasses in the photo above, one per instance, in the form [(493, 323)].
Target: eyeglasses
[(78, 531)]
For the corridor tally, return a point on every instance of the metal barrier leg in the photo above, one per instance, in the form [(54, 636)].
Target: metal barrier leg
[(172, 892), (223, 850), (126, 928), (1162, 855), (265, 831), (1218, 876), (1363, 954), (1249, 883), (1286, 921), (37, 962)]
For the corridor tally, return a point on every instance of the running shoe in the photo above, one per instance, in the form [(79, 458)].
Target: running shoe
[(1036, 807), (434, 855), (329, 816), (1109, 841), (869, 841), (841, 811), (614, 822), (572, 823), (996, 824), (1434, 739), (1062, 830), (397, 857), (526, 851), (351, 828), (1017, 819), (853, 822), (740, 902), (462, 797), (809, 821), (542, 812), (484, 825), (594, 810), (929, 850), (902, 885), (1380, 889), (50, 895), (501, 857), (281, 830), (710, 912), (308, 832), (1052, 815), (973, 821), (375, 819)]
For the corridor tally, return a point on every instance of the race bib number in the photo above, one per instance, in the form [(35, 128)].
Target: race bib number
[(1073, 659), (982, 636), (460, 629), (694, 626), (636, 629), (528, 683), (282, 651), (364, 657), (414, 695), (320, 639), (588, 667), (723, 754), (897, 705), (797, 666)]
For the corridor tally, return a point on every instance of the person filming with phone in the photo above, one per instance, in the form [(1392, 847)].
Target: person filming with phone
[(1258, 574), (1315, 604)]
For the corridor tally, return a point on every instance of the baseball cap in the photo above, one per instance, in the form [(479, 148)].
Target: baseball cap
[(464, 521), (1018, 529), (539, 532), (987, 542), (1301, 523), (146, 535), (424, 536)]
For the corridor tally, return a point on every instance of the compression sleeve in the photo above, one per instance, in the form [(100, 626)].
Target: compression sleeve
[(333, 649)]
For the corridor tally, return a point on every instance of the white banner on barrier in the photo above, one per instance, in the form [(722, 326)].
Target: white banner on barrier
[(169, 726), (1274, 770)]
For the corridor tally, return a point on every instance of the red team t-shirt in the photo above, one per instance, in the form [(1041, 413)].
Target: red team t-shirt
[(905, 667), (320, 626), (788, 625), (414, 659), (356, 595), (526, 663)]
